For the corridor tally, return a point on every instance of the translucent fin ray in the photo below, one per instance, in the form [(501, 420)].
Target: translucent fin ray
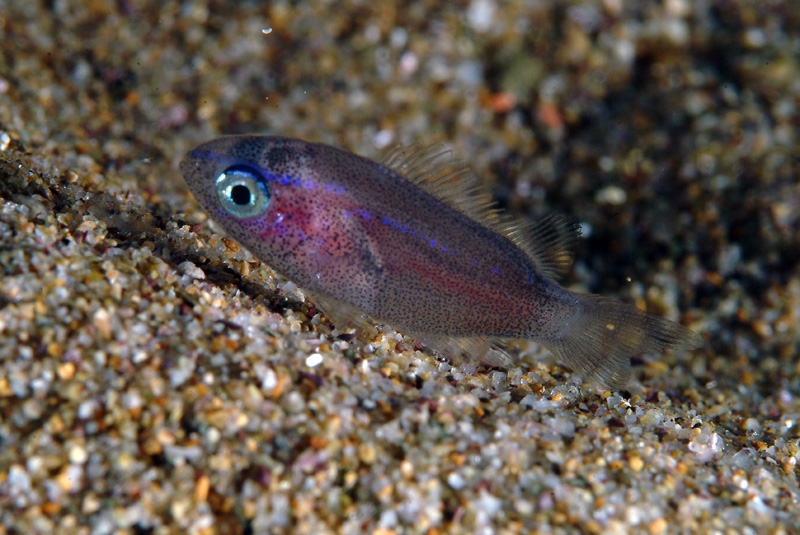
[(600, 339), (549, 242), (466, 353), (341, 314)]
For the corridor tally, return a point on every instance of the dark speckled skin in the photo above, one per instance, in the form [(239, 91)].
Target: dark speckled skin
[(351, 229)]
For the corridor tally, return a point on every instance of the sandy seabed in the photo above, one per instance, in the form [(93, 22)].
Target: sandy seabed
[(158, 379)]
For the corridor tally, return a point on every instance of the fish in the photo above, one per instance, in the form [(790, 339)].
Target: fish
[(413, 242)]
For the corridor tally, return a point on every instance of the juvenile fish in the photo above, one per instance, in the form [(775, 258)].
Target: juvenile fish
[(408, 242)]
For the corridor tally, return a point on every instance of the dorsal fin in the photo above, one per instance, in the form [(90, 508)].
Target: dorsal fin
[(550, 242), (547, 242)]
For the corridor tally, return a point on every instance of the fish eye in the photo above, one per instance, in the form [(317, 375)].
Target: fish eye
[(242, 191)]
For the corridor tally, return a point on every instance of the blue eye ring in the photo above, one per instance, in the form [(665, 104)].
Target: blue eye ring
[(242, 191)]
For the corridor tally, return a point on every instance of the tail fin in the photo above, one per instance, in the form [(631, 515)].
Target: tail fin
[(600, 339)]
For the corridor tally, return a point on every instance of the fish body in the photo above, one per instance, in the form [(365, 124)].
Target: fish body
[(408, 243)]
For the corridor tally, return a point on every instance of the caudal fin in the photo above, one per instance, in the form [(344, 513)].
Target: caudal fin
[(599, 340)]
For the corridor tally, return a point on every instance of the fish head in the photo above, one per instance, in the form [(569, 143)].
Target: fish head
[(258, 188), (278, 198)]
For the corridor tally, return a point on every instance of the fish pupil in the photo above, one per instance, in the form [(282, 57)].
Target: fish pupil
[(240, 195), (242, 192)]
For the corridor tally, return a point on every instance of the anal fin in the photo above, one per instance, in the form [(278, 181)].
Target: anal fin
[(466, 353), (340, 313)]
